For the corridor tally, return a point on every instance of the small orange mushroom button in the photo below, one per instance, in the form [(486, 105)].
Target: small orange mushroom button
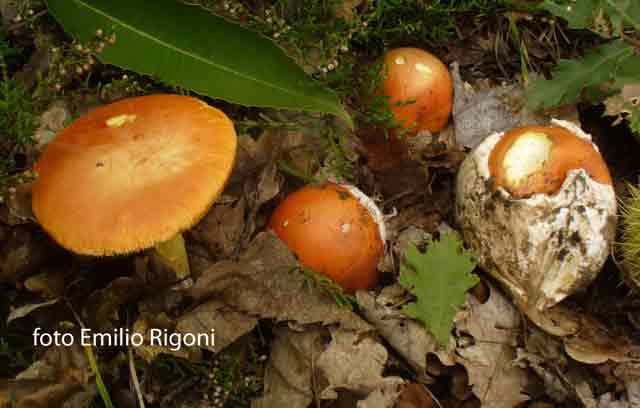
[(334, 232), (419, 87)]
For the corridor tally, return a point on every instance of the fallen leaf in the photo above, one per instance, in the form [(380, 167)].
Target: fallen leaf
[(356, 364), (24, 252), (265, 282), (288, 380), (415, 395), (439, 279), (221, 230), (479, 113), (258, 190), (51, 122), (229, 325), (408, 337), (25, 310), (59, 379), (100, 310), (149, 351), (496, 328)]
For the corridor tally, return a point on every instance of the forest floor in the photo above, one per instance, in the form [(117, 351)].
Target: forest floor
[(286, 336)]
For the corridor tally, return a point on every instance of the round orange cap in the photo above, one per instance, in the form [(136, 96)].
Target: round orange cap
[(415, 75), (536, 159), (332, 232), (133, 173)]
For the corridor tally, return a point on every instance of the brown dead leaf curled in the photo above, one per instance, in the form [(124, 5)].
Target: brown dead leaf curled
[(288, 379), (408, 337), (415, 395), (479, 113), (221, 230), (355, 363), (496, 327), (100, 309), (24, 252), (149, 351), (19, 205), (229, 325), (51, 122), (25, 310), (265, 283), (593, 344), (60, 378)]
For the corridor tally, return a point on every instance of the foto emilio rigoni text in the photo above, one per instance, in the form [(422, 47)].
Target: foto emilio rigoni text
[(121, 337)]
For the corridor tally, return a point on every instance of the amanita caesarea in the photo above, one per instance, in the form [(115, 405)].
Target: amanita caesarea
[(538, 207)]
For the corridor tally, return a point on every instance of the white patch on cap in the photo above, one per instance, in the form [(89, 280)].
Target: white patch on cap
[(526, 156), (400, 60), (424, 69), (117, 121)]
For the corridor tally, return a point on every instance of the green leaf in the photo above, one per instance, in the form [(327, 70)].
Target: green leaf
[(571, 76), (189, 47), (439, 279), (578, 15), (606, 17)]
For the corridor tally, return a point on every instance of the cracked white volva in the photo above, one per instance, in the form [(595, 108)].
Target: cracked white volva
[(542, 248), (372, 208)]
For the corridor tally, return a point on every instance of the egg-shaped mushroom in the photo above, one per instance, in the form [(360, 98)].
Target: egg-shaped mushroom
[(334, 229), (538, 207), (419, 87)]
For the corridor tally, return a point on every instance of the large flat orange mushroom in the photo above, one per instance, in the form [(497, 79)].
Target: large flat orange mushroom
[(133, 173)]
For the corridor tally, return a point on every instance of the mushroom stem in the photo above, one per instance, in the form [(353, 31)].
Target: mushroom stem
[(173, 254)]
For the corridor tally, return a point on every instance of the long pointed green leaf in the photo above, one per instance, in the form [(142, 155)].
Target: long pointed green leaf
[(190, 47)]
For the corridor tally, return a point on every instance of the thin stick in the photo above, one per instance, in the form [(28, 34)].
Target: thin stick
[(134, 378)]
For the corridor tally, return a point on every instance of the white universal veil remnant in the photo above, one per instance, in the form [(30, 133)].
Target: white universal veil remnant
[(538, 207)]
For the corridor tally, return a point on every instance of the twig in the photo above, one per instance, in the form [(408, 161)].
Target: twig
[(134, 378)]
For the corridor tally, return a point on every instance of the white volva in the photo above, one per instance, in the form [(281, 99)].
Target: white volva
[(542, 248)]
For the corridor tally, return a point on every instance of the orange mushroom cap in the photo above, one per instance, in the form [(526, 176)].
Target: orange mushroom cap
[(133, 173), (416, 75), (536, 159), (332, 232)]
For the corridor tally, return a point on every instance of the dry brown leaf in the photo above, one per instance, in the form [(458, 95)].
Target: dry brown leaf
[(148, 351), (495, 326), (221, 230), (479, 113), (346, 8), (415, 395), (265, 283), (48, 284), (229, 325), (59, 378), (25, 310), (288, 379), (406, 336), (593, 344), (355, 363), (258, 190), (100, 311), (51, 122), (24, 252)]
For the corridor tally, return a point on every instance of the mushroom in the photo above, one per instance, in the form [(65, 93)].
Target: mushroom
[(538, 207), (419, 87), (132, 174), (335, 230)]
